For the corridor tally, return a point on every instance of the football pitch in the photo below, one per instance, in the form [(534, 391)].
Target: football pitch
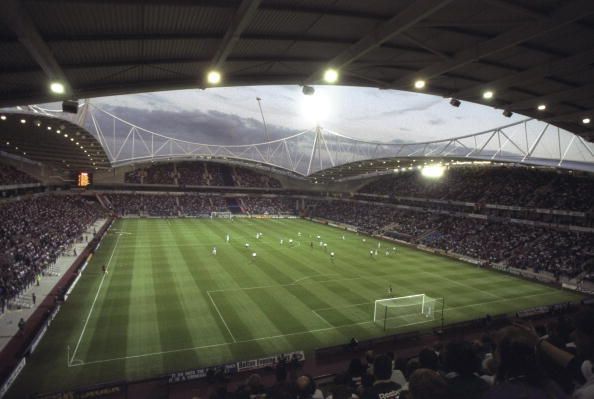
[(168, 304)]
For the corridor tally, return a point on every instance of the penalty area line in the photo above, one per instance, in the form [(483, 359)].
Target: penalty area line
[(94, 301), (221, 316)]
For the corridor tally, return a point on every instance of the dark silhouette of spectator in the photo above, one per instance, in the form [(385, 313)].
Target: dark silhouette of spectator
[(519, 374), (427, 384), (383, 387), (462, 365)]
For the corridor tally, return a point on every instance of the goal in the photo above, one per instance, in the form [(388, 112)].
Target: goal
[(407, 310), (226, 215)]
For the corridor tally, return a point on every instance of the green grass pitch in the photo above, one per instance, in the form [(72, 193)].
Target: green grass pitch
[(168, 304)]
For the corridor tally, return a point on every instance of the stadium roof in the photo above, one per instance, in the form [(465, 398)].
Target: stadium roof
[(528, 52), (64, 144)]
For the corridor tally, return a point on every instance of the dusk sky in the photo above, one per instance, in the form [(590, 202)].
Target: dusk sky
[(231, 115)]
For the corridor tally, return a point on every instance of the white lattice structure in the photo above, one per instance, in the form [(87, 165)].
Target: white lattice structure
[(529, 141)]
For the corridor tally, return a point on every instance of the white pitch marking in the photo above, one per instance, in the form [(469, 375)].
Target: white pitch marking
[(95, 300), (289, 334), (221, 316)]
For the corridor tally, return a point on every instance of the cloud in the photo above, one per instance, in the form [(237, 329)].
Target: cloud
[(206, 127)]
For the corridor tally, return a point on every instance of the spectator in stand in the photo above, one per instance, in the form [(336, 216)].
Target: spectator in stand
[(35, 232), (579, 365), (383, 387), (462, 365), (519, 374), (305, 388), (282, 389), (253, 388), (428, 384), (9, 176)]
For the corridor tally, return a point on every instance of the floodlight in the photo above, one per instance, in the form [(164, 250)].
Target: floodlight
[(23, 121), (331, 75), (586, 121), (455, 103), (3, 117), (213, 77), (541, 107), (487, 95), (57, 88), (433, 171), (419, 84)]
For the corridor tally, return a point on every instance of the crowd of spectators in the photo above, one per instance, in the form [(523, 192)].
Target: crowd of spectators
[(9, 175), (557, 252), (35, 232), (195, 205), (268, 206), (517, 361), (249, 178), (162, 173), (199, 174), (160, 205), (192, 174), (512, 186), (525, 246)]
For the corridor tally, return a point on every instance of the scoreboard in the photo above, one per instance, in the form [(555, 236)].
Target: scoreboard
[(84, 179)]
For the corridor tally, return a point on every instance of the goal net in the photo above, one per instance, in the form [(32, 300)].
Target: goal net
[(407, 310), (226, 215)]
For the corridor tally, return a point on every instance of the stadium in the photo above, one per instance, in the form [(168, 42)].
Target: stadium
[(297, 199)]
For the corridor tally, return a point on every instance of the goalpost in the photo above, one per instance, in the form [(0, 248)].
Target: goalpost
[(407, 310), (226, 215)]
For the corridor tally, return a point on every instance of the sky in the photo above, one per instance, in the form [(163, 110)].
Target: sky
[(231, 115)]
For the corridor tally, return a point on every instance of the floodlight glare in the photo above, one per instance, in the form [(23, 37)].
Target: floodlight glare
[(586, 121), (420, 84), (488, 94), (3, 117), (316, 108), (433, 171), (23, 121), (331, 75), (57, 88), (541, 107), (213, 77)]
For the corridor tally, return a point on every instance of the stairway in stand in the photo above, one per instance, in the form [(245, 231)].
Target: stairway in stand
[(233, 205)]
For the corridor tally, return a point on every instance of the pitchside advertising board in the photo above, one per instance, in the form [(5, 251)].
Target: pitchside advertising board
[(238, 367)]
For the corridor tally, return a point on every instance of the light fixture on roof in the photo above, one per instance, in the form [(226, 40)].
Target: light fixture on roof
[(507, 113), (488, 94), (23, 121), (213, 77), (330, 75), (57, 87), (3, 117), (420, 84), (308, 90), (49, 128), (455, 102), (541, 107), (586, 121)]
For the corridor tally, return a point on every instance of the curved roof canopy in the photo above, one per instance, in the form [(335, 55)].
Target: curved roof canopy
[(528, 52), (54, 141)]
